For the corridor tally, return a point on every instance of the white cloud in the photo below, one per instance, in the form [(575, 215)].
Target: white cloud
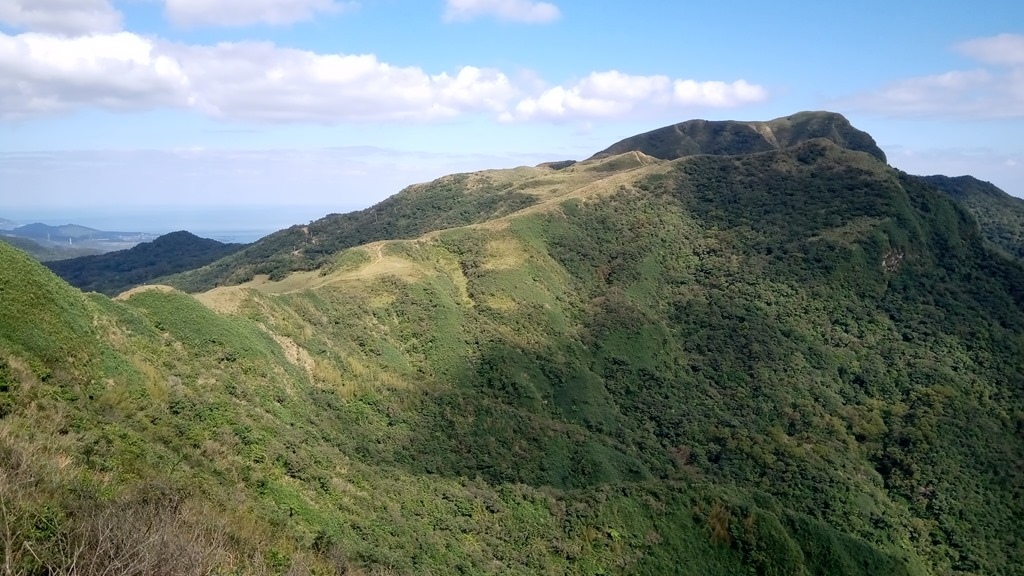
[(717, 94), (42, 74), (614, 94), (61, 16), (1002, 49), (243, 81), (248, 12), (995, 91), (526, 11), (263, 82)]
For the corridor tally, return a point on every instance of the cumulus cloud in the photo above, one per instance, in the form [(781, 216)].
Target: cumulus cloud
[(259, 81), (246, 81), (614, 94), (248, 12), (41, 74), (61, 16), (263, 82), (992, 91), (717, 94), (526, 11)]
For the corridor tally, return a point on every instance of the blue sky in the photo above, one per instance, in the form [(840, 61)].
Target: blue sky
[(331, 105)]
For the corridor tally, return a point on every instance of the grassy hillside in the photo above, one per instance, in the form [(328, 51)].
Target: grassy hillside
[(448, 202), (115, 272), (1000, 215), (793, 362), (696, 137)]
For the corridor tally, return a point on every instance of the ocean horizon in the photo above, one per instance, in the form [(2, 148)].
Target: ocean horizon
[(222, 223)]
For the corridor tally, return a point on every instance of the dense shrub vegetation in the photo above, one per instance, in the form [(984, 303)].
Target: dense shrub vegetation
[(791, 362), (115, 272), (1000, 215)]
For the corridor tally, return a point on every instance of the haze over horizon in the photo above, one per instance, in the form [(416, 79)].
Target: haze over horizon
[(336, 105), (224, 223)]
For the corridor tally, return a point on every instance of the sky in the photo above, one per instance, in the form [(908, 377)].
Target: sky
[(285, 110)]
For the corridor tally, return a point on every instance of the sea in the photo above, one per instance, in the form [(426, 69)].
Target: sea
[(232, 224)]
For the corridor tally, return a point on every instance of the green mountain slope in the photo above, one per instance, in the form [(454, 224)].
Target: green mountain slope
[(793, 362), (463, 199), (448, 202), (696, 137), (1000, 215), (115, 272)]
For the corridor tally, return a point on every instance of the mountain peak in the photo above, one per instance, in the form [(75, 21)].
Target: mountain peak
[(732, 137)]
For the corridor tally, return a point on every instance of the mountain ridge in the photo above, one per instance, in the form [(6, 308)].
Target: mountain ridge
[(447, 202), (798, 361), (730, 137), (462, 199), (1000, 215)]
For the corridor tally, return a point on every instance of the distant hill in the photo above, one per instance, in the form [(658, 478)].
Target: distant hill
[(49, 252), (114, 272), (73, 232), (45, 231), (726, 138), (559, 165), (75, 236), (6, 224), (1000, 215)]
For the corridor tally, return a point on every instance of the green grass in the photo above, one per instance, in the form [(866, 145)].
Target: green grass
[(797, 362), (445, 203)]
